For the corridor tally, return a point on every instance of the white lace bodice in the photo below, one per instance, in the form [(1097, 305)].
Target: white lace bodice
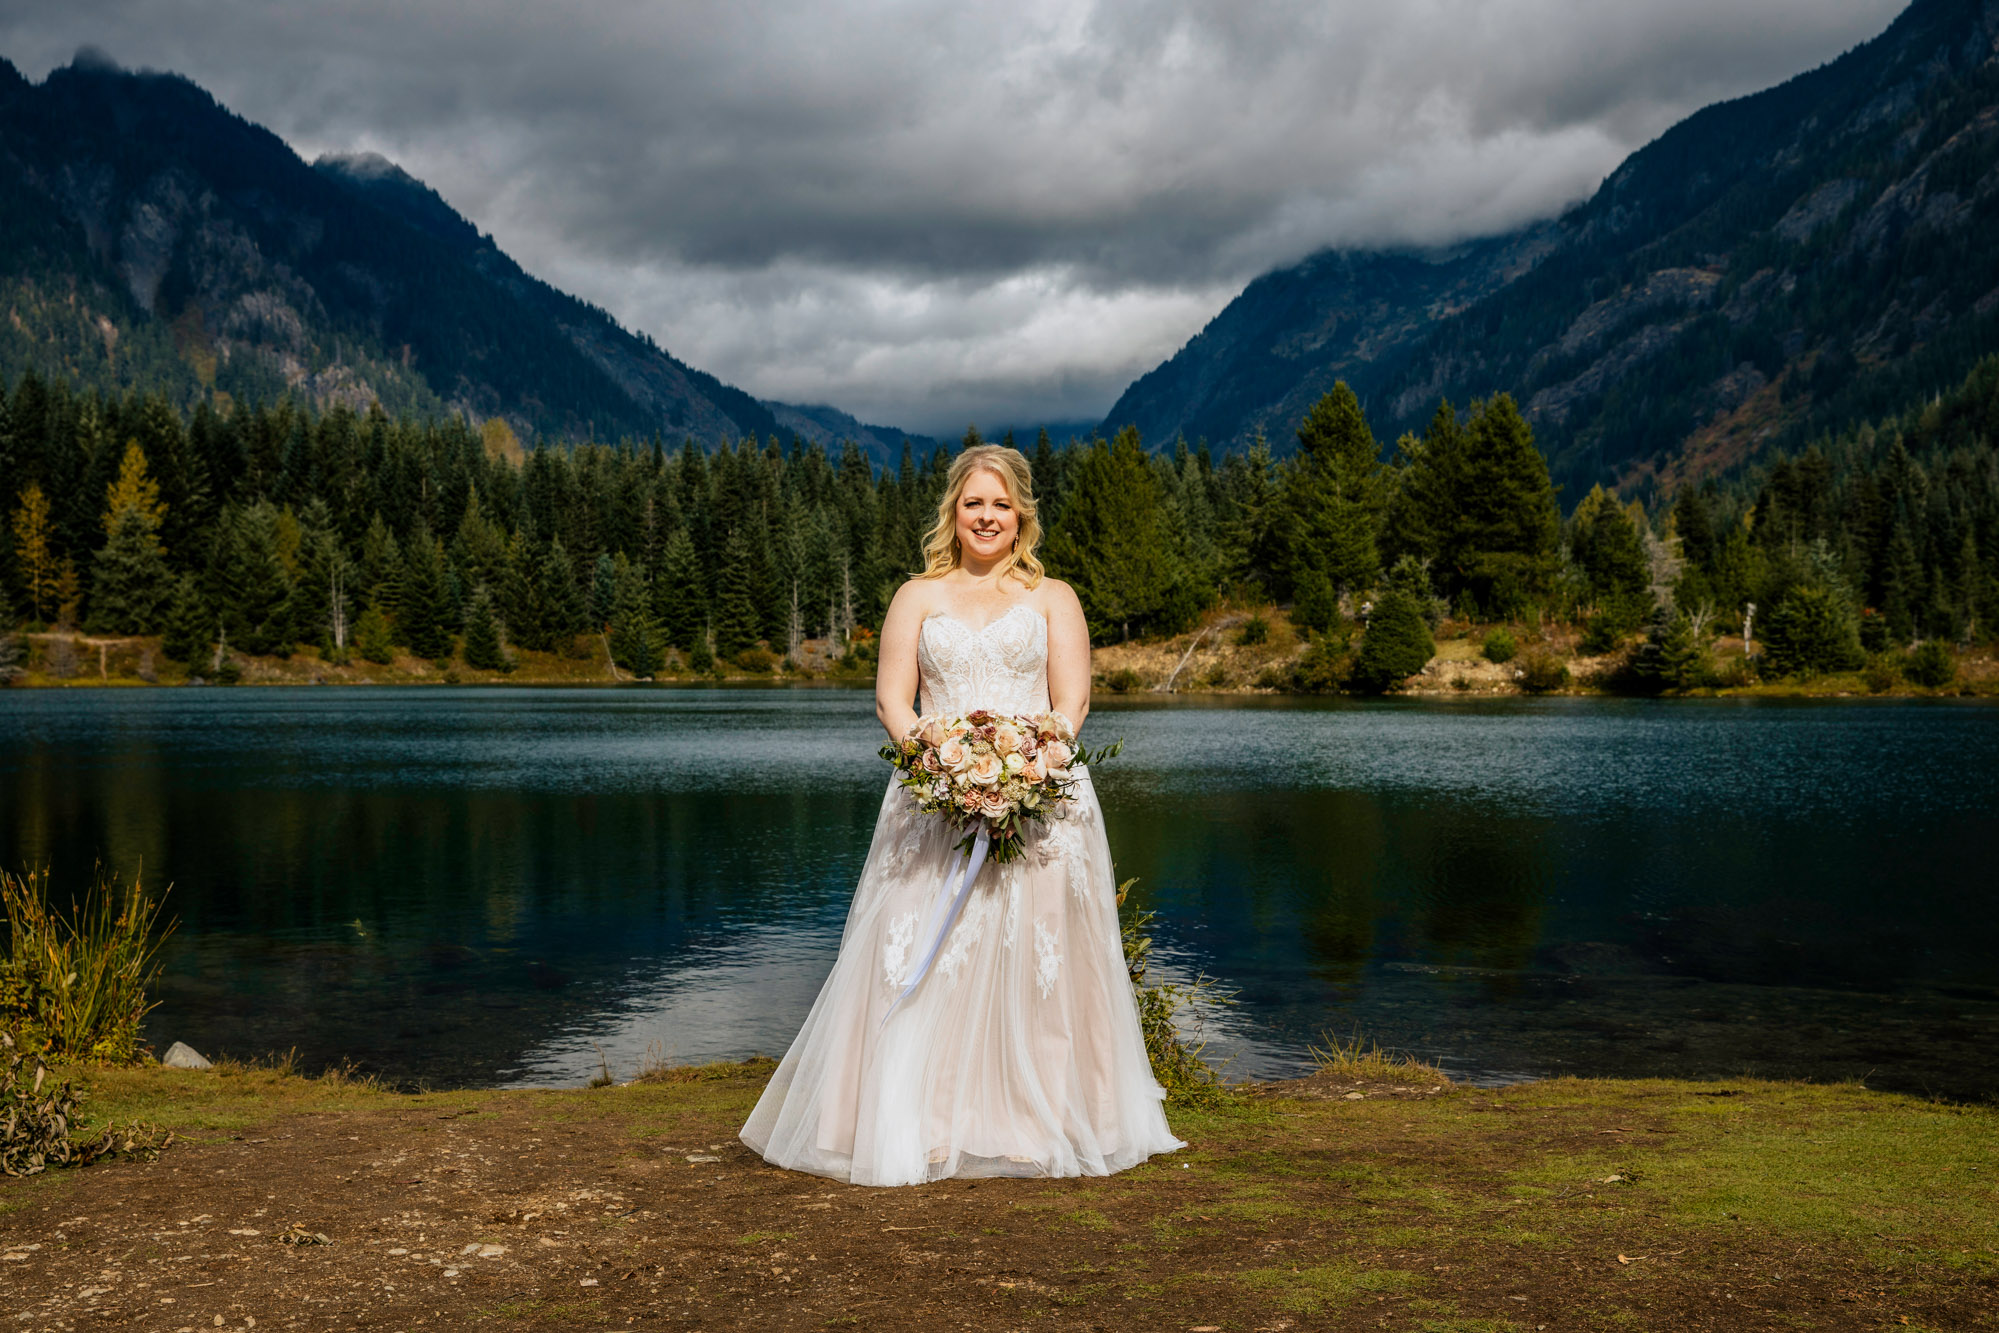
[(1002, 665)]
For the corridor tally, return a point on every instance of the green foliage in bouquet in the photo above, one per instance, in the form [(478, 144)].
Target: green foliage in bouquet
[(936, 779)]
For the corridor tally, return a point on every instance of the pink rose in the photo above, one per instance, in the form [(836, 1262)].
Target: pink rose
[(995, 803), (1006, 738), (1056, 755), (1029, 746), (986, 769), (969, 801), (931, 731), (1034, 770), (954, 755), (929, 763)]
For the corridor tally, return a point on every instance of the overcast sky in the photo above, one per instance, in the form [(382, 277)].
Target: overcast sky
[(933, 211)]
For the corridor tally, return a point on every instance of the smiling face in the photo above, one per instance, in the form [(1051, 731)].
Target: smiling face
[(987, 522)]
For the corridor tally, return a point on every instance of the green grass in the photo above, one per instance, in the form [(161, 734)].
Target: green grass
[(1326, 1287)]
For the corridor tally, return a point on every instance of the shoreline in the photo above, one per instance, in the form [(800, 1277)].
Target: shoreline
[(1200, 662), (1311, 1203)]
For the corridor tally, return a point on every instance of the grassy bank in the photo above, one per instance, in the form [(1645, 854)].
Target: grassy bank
[(1256, 650), (1324, 1203)]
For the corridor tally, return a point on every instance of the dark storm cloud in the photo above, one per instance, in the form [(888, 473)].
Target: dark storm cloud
[(927, 210)]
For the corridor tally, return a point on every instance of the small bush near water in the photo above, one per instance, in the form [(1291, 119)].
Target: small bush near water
[(1360, 1061), (74, 986), (1188, 1079), (1931, 665), (1500, 646)]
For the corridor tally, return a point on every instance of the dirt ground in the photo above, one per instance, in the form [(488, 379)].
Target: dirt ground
[(1317, 1205)]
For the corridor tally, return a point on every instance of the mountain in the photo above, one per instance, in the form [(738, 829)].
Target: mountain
[(1770, 268), (830, 428), (149, 238)]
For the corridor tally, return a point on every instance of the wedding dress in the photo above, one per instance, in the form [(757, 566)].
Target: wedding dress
[(1019, 1053)]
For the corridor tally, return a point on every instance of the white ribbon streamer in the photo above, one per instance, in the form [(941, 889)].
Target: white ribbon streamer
[(945, 914)]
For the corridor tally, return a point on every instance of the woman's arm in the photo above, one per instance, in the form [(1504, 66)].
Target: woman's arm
[(895, 661), (1068, 652)]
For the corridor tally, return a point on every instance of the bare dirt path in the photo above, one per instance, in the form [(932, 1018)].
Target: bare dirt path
[(1550, 1206)]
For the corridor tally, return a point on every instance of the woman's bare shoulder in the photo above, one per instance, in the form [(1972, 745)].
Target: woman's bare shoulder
[(1053, 594)]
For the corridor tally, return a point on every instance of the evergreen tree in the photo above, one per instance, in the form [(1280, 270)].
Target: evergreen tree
[(1671, 657), (566, 613), (520, 602), (484, 646), (34, 554), (680, 598), (323, 598), (1397, 644), (373, 638), (1813, 628), (603, 591), (253, 587), (1316, 606), (191, 624), (1333, 494), (1124, 563), (381, 572), (423, 616), (635, 636), (1605, 543), (737, 620), (1500, 532), (130, 581)]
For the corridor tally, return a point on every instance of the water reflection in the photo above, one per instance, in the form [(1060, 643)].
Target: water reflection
[(467, 885)]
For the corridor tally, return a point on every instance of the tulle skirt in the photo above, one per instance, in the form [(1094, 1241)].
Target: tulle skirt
[(1018, 1055)]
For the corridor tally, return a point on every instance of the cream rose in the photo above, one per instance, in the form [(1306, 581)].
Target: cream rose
[(1057, 755), (995, 803), (1006, 738), (1034, 770), (954, 755), (1013, 763), (930, 731), (986, 769)]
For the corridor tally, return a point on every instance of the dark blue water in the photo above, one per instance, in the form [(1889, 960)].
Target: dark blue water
[(456, 886)]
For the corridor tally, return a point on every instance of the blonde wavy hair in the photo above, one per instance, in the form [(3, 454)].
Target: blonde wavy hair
[(940, 545)]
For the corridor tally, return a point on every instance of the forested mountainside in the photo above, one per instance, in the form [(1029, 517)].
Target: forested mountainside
[(1769, 270), (150, 239)]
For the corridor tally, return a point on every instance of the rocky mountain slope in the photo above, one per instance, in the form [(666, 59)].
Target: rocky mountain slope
[(1770, 268), (150, 238)]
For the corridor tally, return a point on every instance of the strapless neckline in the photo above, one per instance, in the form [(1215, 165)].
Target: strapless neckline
[(977, 629)]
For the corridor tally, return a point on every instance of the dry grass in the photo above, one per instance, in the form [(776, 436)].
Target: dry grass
[(1357, 1059)]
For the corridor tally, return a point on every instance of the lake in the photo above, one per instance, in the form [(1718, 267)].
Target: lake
[(471, 886)]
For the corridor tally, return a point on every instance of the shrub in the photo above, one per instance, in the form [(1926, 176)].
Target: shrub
[(1123, 680), (1542, 672), (1255, 630), (1931, 665), (757, 661), (76, 986), (1177, 1065), (1882, 674), (1326, 666), (1500, 646), (1397, 645)]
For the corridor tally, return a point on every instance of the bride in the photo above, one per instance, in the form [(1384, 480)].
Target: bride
[(1019, 1052)]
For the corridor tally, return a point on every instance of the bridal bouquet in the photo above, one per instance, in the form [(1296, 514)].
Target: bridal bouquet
[(991, 772)]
